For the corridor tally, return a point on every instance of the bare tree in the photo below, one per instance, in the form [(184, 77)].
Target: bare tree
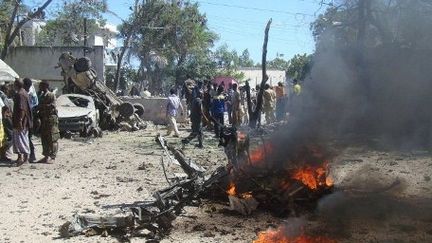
[(254, 115), (129, 28)]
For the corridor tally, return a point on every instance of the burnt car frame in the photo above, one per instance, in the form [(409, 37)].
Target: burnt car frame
[(78, 115)]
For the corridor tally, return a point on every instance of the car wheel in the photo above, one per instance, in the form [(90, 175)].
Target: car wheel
[(67, 135), (126, 109), (139, 110), (97, 132)]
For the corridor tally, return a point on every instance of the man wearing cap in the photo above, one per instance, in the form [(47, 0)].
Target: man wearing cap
[(49, 131)]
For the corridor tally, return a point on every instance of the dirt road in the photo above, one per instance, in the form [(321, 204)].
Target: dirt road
[(121, 167)]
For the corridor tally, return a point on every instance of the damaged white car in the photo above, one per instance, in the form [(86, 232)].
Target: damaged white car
[(78, 115)]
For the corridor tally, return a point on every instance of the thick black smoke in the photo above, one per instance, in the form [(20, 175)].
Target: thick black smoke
[(379, 92)]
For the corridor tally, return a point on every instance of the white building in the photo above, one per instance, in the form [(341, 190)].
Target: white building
[(254, 75), (30, 31)]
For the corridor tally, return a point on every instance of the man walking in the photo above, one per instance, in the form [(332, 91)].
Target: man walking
[(173, 105), (217, 110), (49, 131), (22, 122), (196, 116), (28, 86)]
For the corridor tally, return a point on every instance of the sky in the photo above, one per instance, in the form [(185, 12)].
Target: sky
[(240, 23)]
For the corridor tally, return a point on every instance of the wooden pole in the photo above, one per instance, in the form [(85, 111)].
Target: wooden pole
[(253, 121)]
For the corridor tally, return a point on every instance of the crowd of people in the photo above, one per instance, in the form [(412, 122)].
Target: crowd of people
[(26, 112), (211, 105)]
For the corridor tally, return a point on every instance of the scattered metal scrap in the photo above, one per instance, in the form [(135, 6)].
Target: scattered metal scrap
[(153, 216)]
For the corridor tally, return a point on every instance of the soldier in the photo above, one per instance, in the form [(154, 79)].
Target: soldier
[(269, 104), (236, 106), (49, 131)]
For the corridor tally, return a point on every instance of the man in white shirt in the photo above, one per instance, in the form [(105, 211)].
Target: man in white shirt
[(28, 86), (173, 105), (145, 93)]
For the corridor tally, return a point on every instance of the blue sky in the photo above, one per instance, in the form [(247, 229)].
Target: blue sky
[(241, 23)]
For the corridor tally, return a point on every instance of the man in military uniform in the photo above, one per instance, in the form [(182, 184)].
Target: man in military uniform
[(236, 106), (269, 98), (49, 132)]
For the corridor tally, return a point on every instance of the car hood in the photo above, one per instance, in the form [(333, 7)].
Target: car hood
[(72, 111)]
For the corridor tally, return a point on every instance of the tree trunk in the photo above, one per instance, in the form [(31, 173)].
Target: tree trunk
[(9, 30), (253, 120)]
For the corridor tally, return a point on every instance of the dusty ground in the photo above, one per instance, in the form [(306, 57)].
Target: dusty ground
[(125, 167)]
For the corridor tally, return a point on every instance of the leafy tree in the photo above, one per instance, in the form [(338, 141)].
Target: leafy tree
[(169, 37), (67, 26), (403, 23), (278, 63), (245, 60), (299, 66), (128, 77)]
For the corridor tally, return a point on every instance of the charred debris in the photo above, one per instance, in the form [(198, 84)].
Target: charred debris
[(80, 78)]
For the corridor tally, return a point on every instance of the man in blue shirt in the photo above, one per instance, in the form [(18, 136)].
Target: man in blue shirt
[(217, 110)]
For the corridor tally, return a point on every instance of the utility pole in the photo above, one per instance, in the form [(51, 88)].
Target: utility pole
[(85, 36)]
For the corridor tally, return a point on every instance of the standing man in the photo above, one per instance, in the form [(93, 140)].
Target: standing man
[(145, 93), (269, 103), (173, 104), (49, 131), (236, 106), (6, 149), (206, 103), (280, 101), (196, 116), (296, 87), (217, 110), (229, 104), (22, 123), (28, 86)]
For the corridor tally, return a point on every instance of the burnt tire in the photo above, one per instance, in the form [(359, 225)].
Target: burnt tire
[(139, 110), (126, 109), (83, 64)]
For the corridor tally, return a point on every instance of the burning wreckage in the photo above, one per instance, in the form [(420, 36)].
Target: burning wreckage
[(257, 176), (81, 79)]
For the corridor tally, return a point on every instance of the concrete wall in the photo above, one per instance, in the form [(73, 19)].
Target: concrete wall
[(255, 76), (155, 109), (39, 62)]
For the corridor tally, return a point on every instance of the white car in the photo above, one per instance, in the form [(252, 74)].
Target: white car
[(78, 114)]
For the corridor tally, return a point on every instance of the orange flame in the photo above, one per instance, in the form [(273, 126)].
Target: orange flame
[(241, 135), (259, 154), (279, 236), (313, 177), (231, 189)]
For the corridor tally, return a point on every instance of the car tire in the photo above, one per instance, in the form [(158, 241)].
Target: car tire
[(126, 109), (139, 109)]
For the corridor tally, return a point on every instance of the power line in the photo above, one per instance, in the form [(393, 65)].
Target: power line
[(256, 9)]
